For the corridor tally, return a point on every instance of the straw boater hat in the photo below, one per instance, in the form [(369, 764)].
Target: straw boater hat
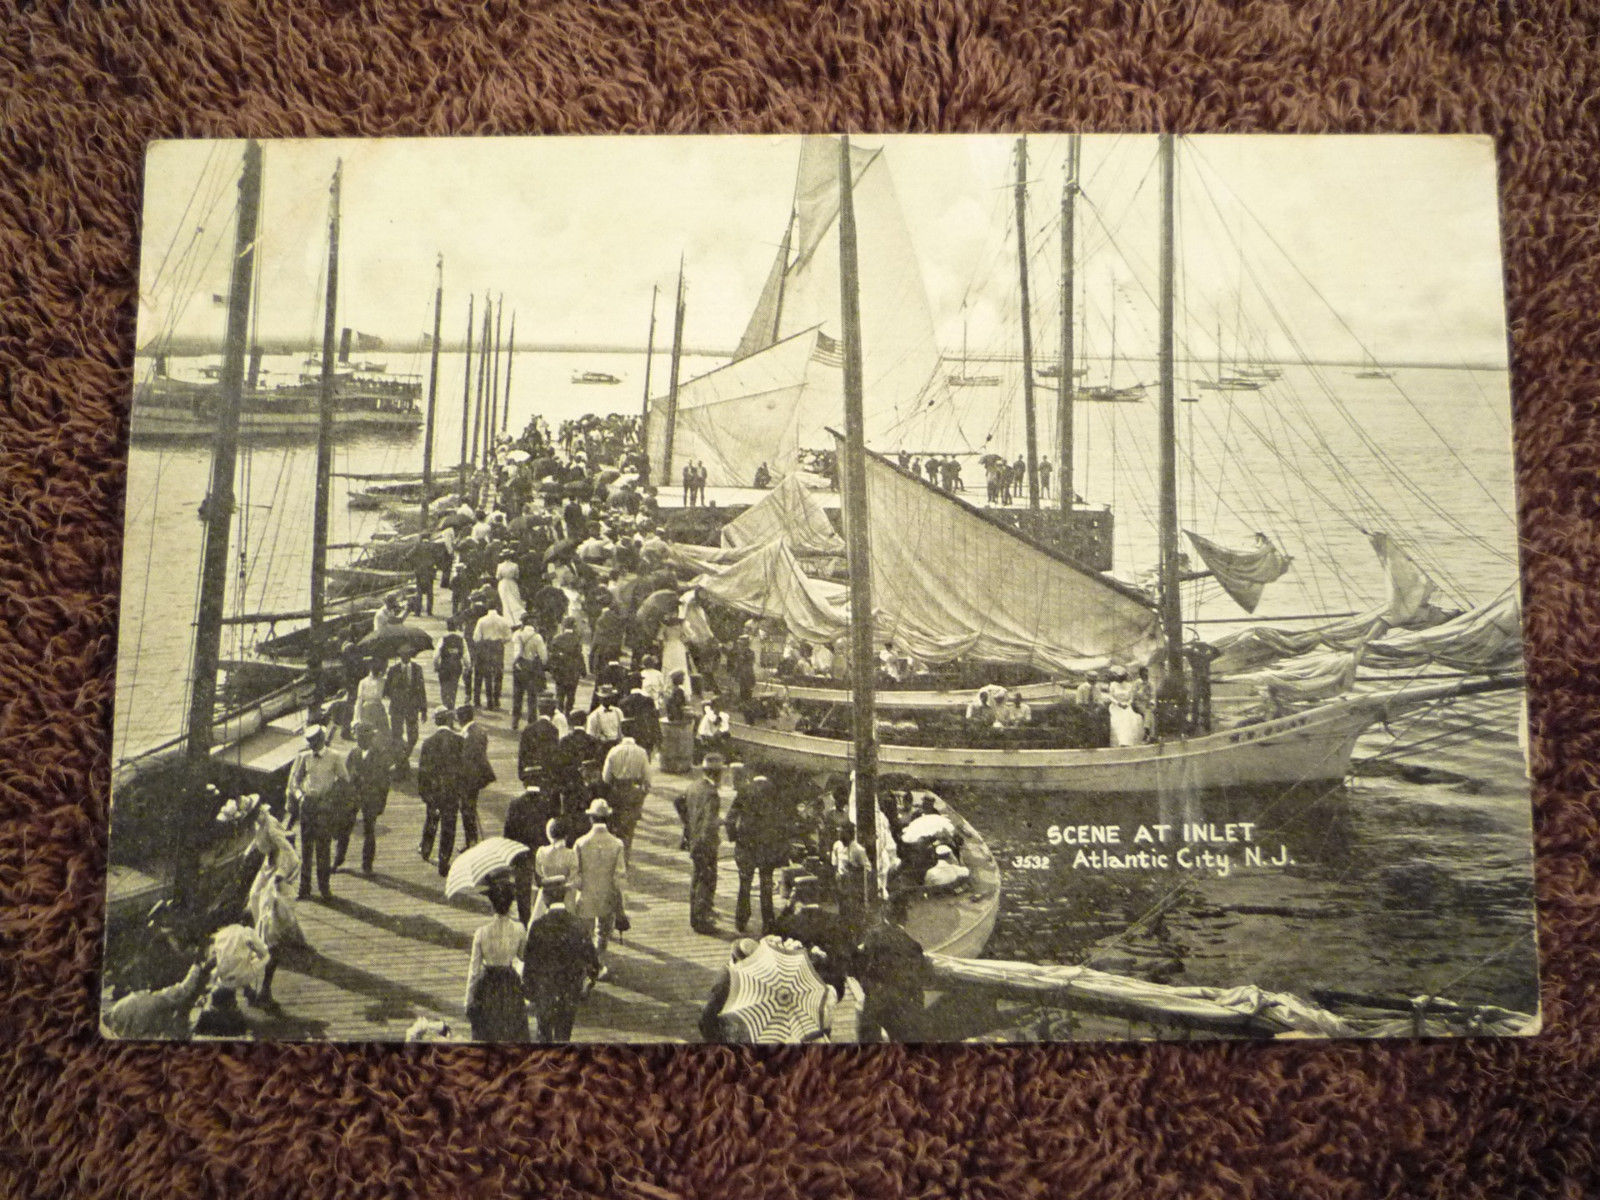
[(599, 810)]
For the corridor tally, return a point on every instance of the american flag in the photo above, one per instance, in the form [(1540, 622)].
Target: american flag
[(828, 352)]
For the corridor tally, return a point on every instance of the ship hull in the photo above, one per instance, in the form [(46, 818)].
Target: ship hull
[(1304, 748)]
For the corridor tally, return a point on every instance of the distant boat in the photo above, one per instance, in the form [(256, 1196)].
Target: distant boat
[(1106, 394), (1231, 383), (961, 378), (594, 377), (1374, 373)]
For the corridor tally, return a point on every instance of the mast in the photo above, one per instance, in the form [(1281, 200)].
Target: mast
[(496, 417), (319, 516), (1067, 380), (466, 406), (511, 352), (1172, 695), (219, 504), (783, 275), (862, 659), (672, 384), (1029, 418), (480, 435), (433, 395), (649, 353)]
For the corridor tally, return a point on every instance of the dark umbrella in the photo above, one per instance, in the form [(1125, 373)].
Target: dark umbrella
[(657, 607), (608, 475), (397, 639), (457, 520), (541, 467)]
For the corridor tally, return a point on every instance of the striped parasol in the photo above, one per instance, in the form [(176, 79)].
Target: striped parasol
[(481, 861), (775, 996)]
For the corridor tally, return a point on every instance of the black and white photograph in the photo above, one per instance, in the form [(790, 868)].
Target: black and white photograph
[(820, 589)]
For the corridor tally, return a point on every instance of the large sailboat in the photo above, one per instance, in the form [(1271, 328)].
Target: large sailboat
[(950, 583)]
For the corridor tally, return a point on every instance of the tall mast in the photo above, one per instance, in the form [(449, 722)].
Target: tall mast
[(672, 384), (862, 659), (649, 353), (319, 512), (1173, 694), (224, 452), (495, 415), (466, 407), (433, 395), (480, 435), (1029, 418), (1067, 380), (511, 351)]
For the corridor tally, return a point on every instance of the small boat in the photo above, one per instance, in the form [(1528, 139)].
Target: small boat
[(594, 377), (973, 380), (959, 924), (1106, 394), (1230, 383), (1374, 373)]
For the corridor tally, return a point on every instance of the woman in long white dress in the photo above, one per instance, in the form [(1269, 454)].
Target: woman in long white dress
[(370, 708), (510, 591), (272, 896), (1127, 723)]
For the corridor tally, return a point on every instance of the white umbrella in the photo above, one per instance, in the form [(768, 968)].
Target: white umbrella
[(775, 996), (518, 456), (481, 861)]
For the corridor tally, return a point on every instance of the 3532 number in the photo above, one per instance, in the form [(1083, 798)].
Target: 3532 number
[(1031, 862)]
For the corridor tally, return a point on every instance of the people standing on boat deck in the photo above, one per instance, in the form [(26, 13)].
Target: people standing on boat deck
[(477, 773), (985, 704), (1144, 700), (699, 808), (407, 694), (313, 796), (370, 766), (528, 654), (1044, 476), (566, 664), (489, 638), (711, 734), (689, 481), (1013, 713), (528, 817), (760, 836), (1199, 655), (1127, 726), (602, 876), (702, 477), (494, 1002), (450, 663), (1083, 697), (440, 783), (559, 961), (626, 775), (763, 477)]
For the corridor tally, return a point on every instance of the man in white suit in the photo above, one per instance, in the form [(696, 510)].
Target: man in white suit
[(601, 876)]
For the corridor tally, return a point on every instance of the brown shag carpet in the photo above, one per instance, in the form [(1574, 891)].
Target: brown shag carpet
[(84, 86)]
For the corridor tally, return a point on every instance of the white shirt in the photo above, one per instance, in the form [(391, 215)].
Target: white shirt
[(527, 642), (712, 723), (605, 723), (944, 873), (821, 660), (491, 627), (497, 944)]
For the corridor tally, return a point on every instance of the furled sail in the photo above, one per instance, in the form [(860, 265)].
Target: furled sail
[(949, 582), (1311, 677), (785, 386), (1242, 573), (788, 511), (1408, 592), (768, 582), (1487, 638)]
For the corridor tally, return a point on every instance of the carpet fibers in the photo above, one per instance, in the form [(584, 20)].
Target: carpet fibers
[(84, 86)]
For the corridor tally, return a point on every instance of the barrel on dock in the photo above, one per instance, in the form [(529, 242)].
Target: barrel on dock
[(677, 746)]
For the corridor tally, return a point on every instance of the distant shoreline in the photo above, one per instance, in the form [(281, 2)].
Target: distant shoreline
[(192, 347)]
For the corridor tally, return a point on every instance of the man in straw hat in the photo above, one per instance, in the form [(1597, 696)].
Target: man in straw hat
[(602, 874), (317, 780)]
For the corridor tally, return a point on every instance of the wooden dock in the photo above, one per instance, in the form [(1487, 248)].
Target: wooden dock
[(389, 948)]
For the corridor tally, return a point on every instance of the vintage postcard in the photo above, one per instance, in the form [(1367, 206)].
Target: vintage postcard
[(820, 589)]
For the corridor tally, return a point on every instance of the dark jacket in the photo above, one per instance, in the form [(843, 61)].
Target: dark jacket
[(536, 748), (439, 763), (476, 771), (526, 817), (559, 956)]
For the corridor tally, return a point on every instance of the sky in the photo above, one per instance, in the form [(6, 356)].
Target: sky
[(1334, 247)]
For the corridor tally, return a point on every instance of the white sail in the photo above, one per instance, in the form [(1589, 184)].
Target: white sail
[(949, 582), (788, 511), (785, 387), (768, 582)]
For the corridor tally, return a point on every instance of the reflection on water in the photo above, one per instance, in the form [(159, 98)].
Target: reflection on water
[(1381, 886)]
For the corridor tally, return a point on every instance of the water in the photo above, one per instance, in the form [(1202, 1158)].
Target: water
[(1394, 887)]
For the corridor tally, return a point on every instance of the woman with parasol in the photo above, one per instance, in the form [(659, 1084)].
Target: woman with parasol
[(495, 1003)]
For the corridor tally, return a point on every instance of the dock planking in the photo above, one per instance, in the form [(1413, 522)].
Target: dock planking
[(389, 948)]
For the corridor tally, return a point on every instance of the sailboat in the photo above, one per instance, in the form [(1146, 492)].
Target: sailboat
[(1108, 392), (961, 378), (948, 584), (166, 796)]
